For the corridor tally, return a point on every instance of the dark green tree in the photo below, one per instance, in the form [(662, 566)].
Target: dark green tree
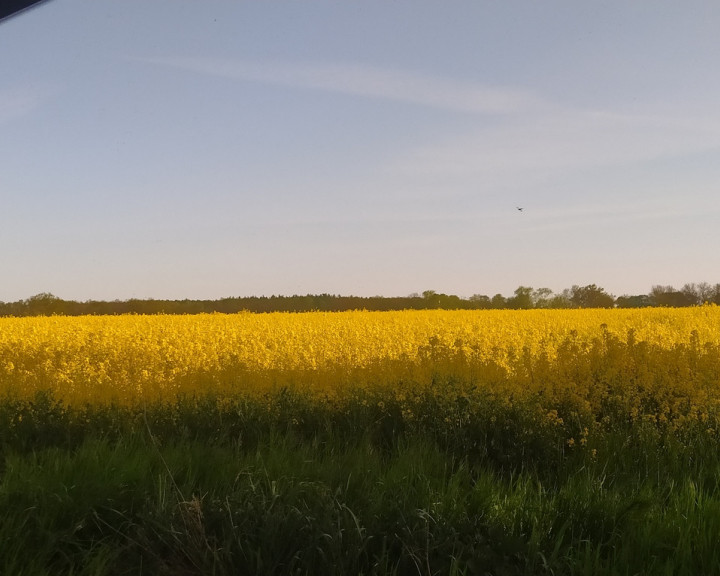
[(44, 304), (498, 301), (541, 297), (522, 300), (590, 296), (637, 301), (480, 301), (667, 296)]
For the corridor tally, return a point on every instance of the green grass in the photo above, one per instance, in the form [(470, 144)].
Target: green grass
[(302, 489)]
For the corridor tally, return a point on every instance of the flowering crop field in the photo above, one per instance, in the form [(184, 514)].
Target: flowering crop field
[(443, 442), (661, 364)]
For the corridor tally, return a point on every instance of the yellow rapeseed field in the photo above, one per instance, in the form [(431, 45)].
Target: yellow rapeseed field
[(660, 364)]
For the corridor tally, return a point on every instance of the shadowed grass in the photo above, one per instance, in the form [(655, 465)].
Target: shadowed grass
[(303, 489)]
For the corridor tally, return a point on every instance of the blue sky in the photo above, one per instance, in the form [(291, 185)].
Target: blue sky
[(202, 149)]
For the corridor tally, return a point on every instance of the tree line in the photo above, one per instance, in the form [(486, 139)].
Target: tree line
[(524, 297)]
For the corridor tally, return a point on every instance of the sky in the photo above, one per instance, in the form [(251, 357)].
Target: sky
[(205, 149)]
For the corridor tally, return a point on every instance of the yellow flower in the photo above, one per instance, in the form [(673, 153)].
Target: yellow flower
[(559, 366)]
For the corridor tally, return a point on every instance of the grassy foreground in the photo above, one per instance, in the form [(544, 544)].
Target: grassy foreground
[(206, 488)]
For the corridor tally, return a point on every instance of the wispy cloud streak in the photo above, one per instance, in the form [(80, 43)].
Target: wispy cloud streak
[(366, 81), (554, 141)]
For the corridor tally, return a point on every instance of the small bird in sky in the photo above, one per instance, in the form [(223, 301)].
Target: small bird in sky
[(520, 209)]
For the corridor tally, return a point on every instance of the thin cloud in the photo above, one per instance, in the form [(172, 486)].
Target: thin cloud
[(366, 81), (560, 141)]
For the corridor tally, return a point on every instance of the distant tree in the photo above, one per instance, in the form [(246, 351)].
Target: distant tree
[(561, 300), (639, 301), (44, 304), (706, 292), (522, 300), (669, 297), (698, 294), (542, 297), (431, 298), (452, 302), (434, 299), (498, 301), (692, 294), (480, 301), (590, 296)]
